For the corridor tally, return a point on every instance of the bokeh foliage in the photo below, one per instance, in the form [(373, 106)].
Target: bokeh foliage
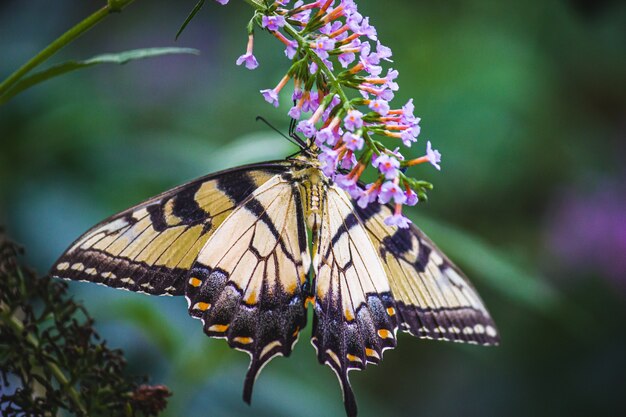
[(526, 101)]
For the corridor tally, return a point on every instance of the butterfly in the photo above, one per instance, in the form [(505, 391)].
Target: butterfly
[(252, 248)]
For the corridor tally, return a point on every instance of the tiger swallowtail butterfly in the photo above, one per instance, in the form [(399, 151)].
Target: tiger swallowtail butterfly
[(235, 244)]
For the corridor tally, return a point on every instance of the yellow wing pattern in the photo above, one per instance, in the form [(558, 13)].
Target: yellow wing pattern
[(150, 247), (354, 319), (249, 282), (434, 299)]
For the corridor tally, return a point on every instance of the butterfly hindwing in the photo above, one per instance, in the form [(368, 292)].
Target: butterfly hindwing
[(354, 319), (248, 283), (151, 246), (434, 299)]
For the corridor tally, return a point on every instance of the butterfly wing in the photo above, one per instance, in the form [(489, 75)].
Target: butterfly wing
[(150, 247), (372, 278), (354, 319), (434, 299), (248, 283)]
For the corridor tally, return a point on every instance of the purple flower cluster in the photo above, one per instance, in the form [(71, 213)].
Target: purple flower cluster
[(334, 49)]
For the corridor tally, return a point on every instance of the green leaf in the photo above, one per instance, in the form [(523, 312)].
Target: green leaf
[(118, 58), (195, 10)]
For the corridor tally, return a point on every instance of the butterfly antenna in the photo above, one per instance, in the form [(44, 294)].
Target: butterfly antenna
[(292, 134), (296, 141)]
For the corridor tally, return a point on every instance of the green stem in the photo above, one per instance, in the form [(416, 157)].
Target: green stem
[(18, 327), (83, 26), (320, 63)]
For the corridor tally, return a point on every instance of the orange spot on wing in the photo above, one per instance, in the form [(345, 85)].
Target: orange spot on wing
[(243, 340), (195, 282), (391, 311), (385, 334), (291, 288), (251, 299), (219, 328), (371, 353), (353, 358), (202, 306)]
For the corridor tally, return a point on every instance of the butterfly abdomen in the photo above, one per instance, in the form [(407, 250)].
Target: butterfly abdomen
[(312, 185)]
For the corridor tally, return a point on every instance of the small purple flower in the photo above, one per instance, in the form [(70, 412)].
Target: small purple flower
[(398, 220), (291, 49), (353, 142), (346, 59), (433, 155), (369, 196), (328, 159), (353, 120), (379, 106), (411, 197), (349, 7), (297, 93), (409, 136), (348, 161), (345, 181), (303, 16), (326, 135), (387, 166), (397, 154), (392, 74), (295, 112), (407, 114), (383, 52), (311, 103), (306, 128), (354, 21), (354, 190), (273, 22), (367, 29), (361, 25), (270, 96), (249, 59), (385, 94), (222, 2), (370, 61), (329, 28), (333, 103), (322, 45), (391, 190)]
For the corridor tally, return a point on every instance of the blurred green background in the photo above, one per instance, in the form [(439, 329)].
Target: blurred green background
[(526, 101)]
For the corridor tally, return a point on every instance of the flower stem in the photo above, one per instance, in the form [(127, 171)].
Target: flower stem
[(80, 28), (293, 32)]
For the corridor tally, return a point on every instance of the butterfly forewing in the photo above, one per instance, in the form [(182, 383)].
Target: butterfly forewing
[(247, 283), (150, 247)]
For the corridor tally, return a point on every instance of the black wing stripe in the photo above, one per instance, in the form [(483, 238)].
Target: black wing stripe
[(425, 282), (439, 321), (242, 283), (130, 255)]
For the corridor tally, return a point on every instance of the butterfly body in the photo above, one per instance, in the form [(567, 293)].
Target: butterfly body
[(236, 245)]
